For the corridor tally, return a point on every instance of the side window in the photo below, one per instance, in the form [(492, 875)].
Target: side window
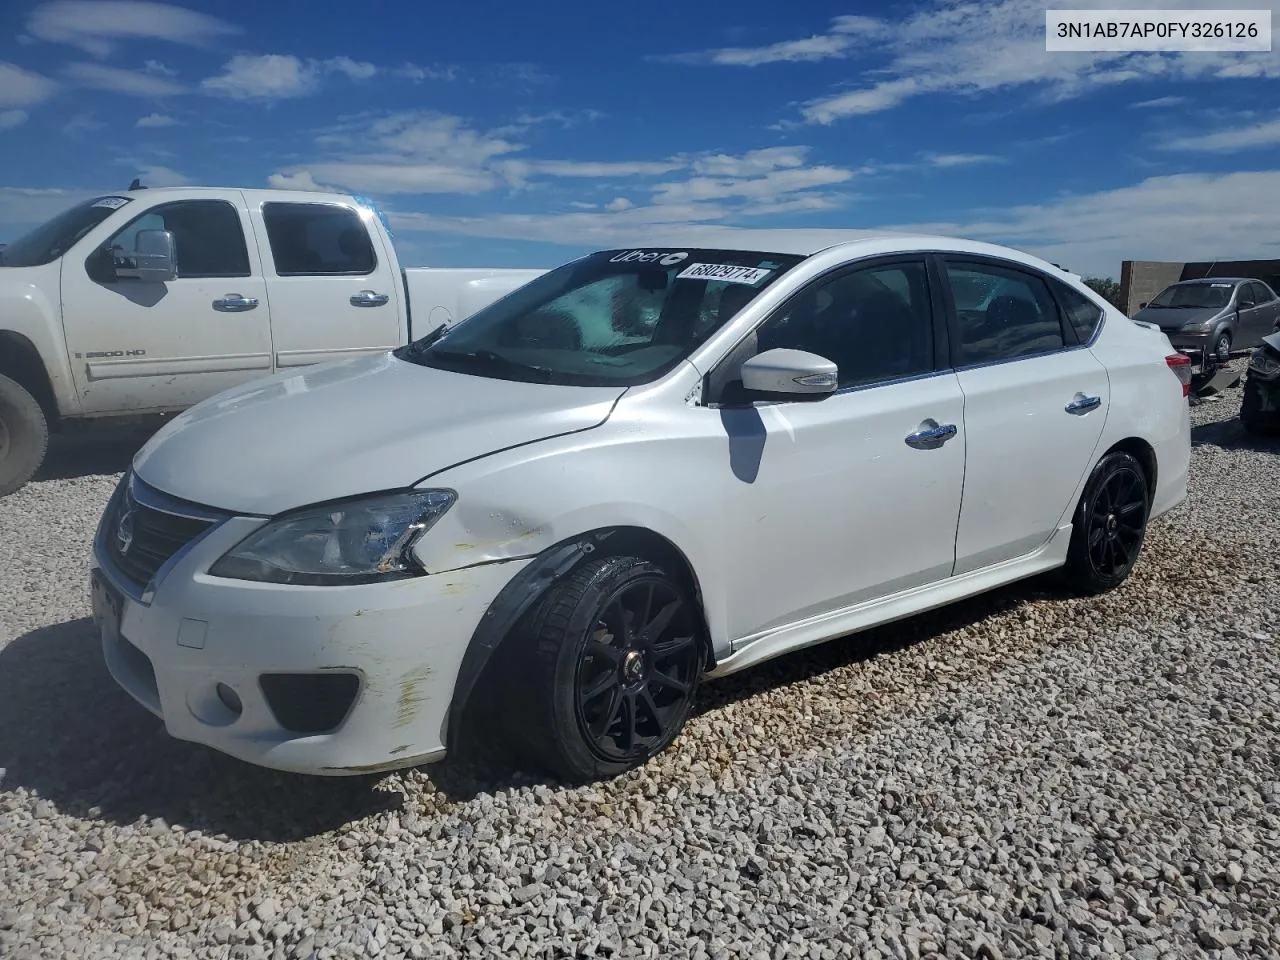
[(1015, 316), (318, 239), (874, 323), (1082, 313), (207, 236), (1260, 293)]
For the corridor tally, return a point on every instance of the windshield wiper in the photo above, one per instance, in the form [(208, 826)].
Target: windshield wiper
[(412, 352), (487, 358)]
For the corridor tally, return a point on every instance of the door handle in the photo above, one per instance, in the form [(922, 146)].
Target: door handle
[(1082, 404), (234, 303), (368, 298), (931, 435)]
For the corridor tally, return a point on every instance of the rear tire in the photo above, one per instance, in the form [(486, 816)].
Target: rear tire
[(1109, 525), (605, 671), (24, 436)]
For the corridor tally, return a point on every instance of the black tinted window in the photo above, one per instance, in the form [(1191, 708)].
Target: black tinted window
[(875, 324), (310, 239), (1003, 314), (207, 235), (1082, 313), (1260, 293)]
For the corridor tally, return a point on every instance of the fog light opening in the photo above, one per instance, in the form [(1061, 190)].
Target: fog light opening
[(230, 699)]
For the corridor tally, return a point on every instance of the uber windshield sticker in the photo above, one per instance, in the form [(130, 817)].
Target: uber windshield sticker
[(114, 203), (640, 256), (723, 271)]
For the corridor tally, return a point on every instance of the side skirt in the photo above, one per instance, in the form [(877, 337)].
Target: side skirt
[(872, 613)]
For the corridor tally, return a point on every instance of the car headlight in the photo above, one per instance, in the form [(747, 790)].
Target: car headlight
[(348, 542), (1200, 325), (1264, 365)]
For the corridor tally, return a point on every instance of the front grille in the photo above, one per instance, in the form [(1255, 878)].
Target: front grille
[(147, 528)]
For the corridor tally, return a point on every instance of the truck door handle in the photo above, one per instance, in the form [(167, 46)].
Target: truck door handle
[(234, 303), (1082, 404), (931, 435), (368, 298)]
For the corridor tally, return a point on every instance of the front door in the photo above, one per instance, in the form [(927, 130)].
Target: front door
[(832, 502), (334, 293), (1034, 405), (142, 347)]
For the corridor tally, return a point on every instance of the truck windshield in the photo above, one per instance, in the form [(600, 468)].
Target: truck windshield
[(1194, 295), (55, 237), (615, 318)]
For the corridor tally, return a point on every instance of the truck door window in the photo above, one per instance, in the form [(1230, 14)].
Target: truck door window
[(207, 235), (318, 239)]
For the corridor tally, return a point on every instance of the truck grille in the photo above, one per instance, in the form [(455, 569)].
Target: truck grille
[(148, 527)]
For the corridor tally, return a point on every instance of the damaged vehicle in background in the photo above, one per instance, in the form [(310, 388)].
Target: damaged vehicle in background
[(1260, 402), (1209, 318), (643, 468)]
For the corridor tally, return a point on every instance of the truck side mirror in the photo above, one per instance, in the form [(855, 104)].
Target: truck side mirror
[(155, 257)]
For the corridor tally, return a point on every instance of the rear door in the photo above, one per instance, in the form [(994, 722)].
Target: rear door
[(1035, 399), (1259, 319), (335, 290), (138, 346)]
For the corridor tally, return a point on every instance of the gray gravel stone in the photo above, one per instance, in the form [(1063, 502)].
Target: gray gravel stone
[(1019, 775)]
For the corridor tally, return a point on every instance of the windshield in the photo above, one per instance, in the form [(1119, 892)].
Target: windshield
[(1194, 295), (620, 317), (55, 237)]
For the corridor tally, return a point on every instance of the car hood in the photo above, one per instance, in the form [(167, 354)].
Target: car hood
[(349, 428), (1174, 318)]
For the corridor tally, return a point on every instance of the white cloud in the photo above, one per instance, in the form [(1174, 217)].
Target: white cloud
[(156, 67), (12, 118), (1228, 141), (22, 88), (116, 80), (271, 76), (81, 123), (154, 175), (842, 37), (772, 185), (1182, 217), (970, 47), (96, 26), (277, 76), (154, 120), (1158, 103), (294, 181), (354, 69), (750, 164), (961, 159), (618, 204), (416, 73)]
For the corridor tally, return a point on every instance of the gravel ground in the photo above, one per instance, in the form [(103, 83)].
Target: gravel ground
[(1018, 775)]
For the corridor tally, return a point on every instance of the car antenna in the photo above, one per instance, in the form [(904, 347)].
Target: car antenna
[(137, 184)]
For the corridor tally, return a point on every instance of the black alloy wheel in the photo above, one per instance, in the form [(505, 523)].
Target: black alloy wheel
[(1110, 525), (602, 674)]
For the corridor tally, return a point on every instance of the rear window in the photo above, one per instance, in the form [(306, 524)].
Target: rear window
[(318, 239)]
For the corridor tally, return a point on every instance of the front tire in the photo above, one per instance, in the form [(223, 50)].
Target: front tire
[(1109, 525), (608, 671), (24, 436), (1222, 347)]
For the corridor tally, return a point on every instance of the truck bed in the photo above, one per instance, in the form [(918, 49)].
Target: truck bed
[(448, 294)]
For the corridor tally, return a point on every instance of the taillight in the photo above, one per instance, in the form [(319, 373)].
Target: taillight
[(1180, 364)]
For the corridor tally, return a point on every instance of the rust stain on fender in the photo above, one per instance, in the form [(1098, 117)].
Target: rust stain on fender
[(407, 705)]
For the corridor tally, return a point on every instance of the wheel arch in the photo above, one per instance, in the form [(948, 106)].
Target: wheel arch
[(20, 361), (1145, 454), (531, 583)]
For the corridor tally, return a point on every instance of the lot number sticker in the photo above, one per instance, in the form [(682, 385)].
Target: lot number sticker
[(114, 203), (723, 271)]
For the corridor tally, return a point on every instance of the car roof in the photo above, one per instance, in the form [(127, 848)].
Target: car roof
[(1184, 283), (806, 243)]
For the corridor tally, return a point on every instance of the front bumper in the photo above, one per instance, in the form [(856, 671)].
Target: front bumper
[(205, 654)]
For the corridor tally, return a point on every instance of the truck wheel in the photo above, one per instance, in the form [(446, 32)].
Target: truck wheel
[(24, 436), (609, 667)]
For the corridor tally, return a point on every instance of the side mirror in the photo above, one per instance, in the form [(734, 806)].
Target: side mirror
[(796, 374), (1142, 305), (155, 256)]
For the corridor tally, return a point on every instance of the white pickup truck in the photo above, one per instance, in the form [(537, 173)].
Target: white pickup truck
[(151, 300)]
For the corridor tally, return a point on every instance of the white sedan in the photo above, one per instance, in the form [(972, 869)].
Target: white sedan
[(644, 468)]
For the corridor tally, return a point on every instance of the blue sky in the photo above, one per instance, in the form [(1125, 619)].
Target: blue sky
[(505, 134)]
